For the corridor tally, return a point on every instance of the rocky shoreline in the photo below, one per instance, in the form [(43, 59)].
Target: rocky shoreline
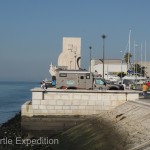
[(11, 137)]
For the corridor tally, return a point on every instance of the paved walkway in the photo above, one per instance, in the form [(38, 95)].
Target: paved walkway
[(142, 99)]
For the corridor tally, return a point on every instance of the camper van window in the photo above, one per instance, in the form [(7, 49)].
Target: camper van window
[(63, 75), (99, 82), (81, 77), (87, 76)]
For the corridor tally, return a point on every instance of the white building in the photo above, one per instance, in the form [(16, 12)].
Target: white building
[(111, 66), (70, 52), (147, 65)]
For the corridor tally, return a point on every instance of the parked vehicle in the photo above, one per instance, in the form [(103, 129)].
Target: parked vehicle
[(68, 79), (100, 83)]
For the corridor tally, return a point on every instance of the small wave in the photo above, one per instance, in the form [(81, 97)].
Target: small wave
[(7, 112)]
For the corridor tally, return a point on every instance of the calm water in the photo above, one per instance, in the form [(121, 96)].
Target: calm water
[(12, 96)]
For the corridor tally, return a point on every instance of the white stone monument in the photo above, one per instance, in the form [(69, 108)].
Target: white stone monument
[(70, 52)]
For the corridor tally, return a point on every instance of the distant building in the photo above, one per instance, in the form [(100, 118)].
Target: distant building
[(147, 69), (70, 52), (111, 66)]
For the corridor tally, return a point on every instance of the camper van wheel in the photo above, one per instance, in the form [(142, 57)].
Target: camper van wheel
[(113, 88), (71, 87), (100, 88)]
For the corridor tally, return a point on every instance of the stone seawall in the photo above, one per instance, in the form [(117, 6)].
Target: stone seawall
[(74, 102), (53, 111)]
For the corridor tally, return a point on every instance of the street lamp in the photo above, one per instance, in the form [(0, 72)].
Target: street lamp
[(103, 37), (90, 47), (121, 67), (75, 59)]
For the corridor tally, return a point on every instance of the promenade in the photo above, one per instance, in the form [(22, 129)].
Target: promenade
[(144, 100)]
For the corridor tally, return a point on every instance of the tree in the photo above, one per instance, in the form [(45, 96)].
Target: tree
[(139, 69), (127, 56)]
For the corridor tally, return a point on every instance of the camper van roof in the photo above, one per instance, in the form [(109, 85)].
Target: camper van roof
[(73, 71)]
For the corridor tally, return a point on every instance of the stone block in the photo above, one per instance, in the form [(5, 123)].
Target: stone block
[(85, 97), (89, 107), (93, 97), (113, 97), (23, 111), (66, 107), (82, 107), (97, 107), (42, 107), (121, 97), (36, 111), (44, 102), (36, 102), (44, 111), (52, 102), (64, 96), (99, 96), (67, 102), (57, 96), (37, 95), (76, 97), (76, 102), (25, 104), (68, 112), (27, 114), (59, 102), (35, 106), (58, 107), (49, 96), (60, 112), (50, 107), (105, 97), (83, 102), (107, 103), (74, 107), (92, 102), (51, 112), (99, 102), (131, 96)]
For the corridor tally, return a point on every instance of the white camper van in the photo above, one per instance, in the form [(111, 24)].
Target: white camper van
[(69, 79)]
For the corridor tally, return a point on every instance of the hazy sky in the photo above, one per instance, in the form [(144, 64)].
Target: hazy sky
[(31, 32)]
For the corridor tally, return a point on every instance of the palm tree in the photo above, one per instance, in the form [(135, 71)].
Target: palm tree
[(127, 56)]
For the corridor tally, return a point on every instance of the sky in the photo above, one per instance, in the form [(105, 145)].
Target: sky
[(31, 32)]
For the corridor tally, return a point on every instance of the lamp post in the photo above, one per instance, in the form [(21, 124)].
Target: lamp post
[(121, 67), (90, 47), (75, 59), (103, 37)]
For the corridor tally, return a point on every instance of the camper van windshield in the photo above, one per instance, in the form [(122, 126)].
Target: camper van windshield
[(99, 81)]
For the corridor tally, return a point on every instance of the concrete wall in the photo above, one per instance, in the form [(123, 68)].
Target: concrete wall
[(74, 102)]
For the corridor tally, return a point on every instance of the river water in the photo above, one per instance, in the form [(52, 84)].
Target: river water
[(12, 96)]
